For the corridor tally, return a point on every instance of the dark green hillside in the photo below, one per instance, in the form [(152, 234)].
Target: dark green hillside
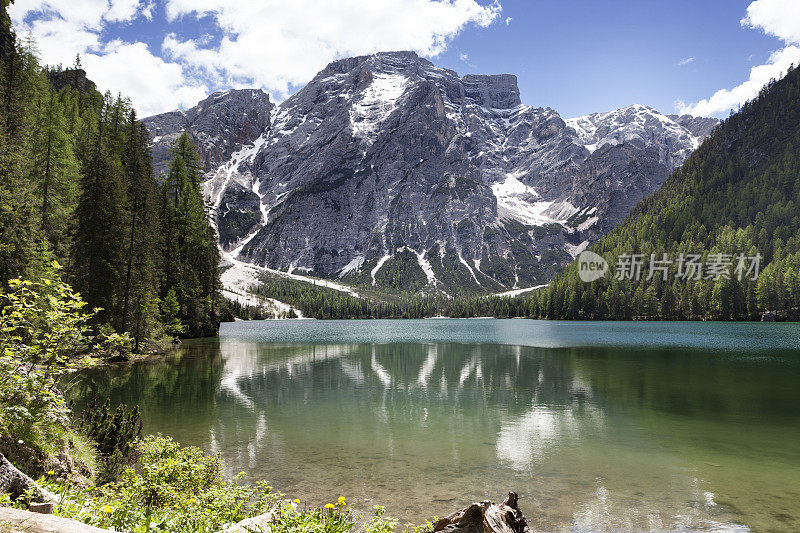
[(739, 193)]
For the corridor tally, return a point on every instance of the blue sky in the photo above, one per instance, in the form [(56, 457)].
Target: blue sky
[(580, 57), (576, 56)]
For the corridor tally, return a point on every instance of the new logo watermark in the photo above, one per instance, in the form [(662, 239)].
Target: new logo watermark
[(711, 266), (591, 266)]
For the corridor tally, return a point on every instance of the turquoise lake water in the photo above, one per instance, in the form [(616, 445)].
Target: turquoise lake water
[(599, 426)]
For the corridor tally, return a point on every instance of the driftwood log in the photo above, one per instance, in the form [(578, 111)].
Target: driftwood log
[(486, 517), (15, 483)]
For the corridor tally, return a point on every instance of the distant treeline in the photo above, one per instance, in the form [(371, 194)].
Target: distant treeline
[(315, 301)]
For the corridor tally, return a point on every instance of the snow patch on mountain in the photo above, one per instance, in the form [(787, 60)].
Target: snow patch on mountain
[(425, 265), (636, 123), (520, 202), (377, 102), (375, 270), (353, 266), (517, 292), (472, 272), (575, 249)]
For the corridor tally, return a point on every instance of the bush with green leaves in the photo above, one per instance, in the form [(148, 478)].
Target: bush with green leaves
[(172, 488), (332, 518), (180, 489), (43, 335)]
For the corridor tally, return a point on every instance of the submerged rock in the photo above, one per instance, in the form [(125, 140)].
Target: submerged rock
[(486, 517)]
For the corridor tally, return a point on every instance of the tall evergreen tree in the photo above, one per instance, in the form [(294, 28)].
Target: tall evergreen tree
[(76, 183), (140, 293), (101, 215), (54, 172), (19, 80), (191, 258)]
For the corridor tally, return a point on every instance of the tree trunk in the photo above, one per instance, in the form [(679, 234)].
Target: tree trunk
[(486, 517), (29, 522)]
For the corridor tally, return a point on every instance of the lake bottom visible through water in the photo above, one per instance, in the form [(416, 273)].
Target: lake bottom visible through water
[(597, 426)]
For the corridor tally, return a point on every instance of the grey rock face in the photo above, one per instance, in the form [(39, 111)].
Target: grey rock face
[(386, 159), (219, 125), (699, 126), (238, 213)]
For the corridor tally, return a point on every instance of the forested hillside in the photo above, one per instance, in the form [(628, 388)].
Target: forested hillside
[(739, 193), (77, 187)]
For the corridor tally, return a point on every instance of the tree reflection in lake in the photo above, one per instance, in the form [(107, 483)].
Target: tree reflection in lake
[(591, 437)]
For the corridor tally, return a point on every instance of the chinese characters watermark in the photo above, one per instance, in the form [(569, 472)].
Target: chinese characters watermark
[(684, 266)]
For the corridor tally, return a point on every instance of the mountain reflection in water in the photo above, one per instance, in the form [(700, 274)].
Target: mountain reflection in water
[(592, 437)]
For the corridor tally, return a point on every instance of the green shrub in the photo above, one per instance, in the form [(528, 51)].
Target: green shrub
[(114, 432), (43, 335), (173, 488), (333, 518), (379, 524)]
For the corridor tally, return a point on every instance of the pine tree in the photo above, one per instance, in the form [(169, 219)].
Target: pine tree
[(191, 259), (99, 238), (54, 172), (19, 79), (140, 292)]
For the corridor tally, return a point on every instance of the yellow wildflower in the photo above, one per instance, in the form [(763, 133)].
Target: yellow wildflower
[(51, 473), (341, 501), (296, 501), (329, 506), (108, 509)]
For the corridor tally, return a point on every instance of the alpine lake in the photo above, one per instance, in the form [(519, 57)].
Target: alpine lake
[(599, 426)]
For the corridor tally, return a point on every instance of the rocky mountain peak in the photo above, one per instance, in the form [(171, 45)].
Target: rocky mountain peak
[(499, 91), (388, 170), (220, 125)]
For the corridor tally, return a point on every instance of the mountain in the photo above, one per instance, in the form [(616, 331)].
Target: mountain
[(735, 203), (219, 125), (387, 171)]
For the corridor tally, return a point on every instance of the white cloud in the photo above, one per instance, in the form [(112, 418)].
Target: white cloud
[(686, 61), (147, 9), (726, 99), (87, 13), (59, 41), (153, 84), (275, 44), (278, 44), (463, 57), (90, 14), (122, 10), (779, 18), (64, 29), (508, 21)]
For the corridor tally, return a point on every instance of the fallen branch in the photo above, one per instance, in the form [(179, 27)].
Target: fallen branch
[(486, 517)]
